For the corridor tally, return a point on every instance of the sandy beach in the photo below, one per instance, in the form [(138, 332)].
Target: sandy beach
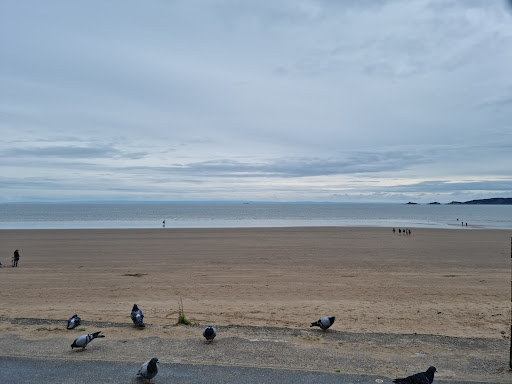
[(442, 282)]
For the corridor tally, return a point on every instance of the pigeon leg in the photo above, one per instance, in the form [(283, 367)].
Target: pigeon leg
[(81, 350)]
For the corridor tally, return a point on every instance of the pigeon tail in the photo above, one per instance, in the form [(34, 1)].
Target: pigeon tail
[(96, 335)]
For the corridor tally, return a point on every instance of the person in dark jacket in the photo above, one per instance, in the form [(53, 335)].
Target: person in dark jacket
[(16, 258)]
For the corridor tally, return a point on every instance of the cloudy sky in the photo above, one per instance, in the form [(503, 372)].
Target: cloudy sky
[(300, 100)]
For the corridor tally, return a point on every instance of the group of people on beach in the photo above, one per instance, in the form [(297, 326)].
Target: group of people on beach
[(401, 231)]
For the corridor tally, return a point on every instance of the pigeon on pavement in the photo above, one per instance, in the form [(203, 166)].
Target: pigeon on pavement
[(324, 323), (418, 378), (137, 316), (209, 333), (82, 341), (148, 370), (73, 322)]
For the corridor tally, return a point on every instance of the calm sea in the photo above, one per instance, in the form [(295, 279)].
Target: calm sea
[(220, 215)]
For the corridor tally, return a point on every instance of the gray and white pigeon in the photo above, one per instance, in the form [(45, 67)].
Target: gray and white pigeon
[(209, 333), (82, 341), (137, 316), (324, 323), (73, 322), (418, 378), (148, 370)]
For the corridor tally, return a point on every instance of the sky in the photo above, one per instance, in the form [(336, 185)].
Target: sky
[(288, 101)]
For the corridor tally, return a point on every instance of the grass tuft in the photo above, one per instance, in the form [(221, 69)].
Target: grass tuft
[(182, 319)]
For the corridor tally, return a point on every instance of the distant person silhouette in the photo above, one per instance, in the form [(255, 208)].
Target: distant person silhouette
[(16, 258)]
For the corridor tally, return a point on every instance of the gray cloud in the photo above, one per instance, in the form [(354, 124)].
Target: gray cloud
[(297, 99), (71, 152), (351, 163), (61, 152)]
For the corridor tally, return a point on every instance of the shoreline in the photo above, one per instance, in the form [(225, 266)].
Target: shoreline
[(370, 226)]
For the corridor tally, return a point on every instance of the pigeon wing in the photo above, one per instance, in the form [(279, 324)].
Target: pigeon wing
[(143, 371), (81, 341), (137, 318)]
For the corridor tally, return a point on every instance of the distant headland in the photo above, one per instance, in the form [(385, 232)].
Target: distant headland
[(493, 201), (496, 201)]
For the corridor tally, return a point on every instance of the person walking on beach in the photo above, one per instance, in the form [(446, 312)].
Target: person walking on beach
[(16, 258)]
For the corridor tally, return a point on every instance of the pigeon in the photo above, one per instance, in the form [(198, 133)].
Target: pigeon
[(418, 378), (83, 340), (148, 370), (209, 333), (324, 323), (137, 316), (73, 322)]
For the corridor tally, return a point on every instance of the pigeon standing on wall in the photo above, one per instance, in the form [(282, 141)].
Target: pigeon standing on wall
[(148, 370), (137, 316), (209, 333), (418, 378), (82, 341), (324, 323), (73, 322)]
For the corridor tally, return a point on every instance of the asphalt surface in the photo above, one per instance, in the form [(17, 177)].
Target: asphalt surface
[(16, 370)]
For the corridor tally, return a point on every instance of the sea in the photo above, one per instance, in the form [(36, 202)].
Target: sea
[(247, 215)]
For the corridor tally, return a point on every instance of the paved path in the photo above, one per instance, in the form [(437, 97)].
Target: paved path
[(16, 370)]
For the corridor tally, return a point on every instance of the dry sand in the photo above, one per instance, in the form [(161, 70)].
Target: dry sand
[(444, 282)]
